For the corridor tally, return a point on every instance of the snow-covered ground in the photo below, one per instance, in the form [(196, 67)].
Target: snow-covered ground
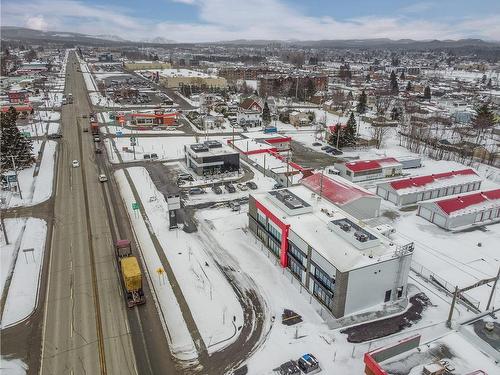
[(181, 343), (12, 366), (210, 298), (34, 189), (40, 128), (23, 291), (112, 129), (167, 148)]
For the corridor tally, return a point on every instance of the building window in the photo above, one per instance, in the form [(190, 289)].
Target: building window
[(276, 233), (275, 247), (387, 295), (323, 278), (261, 218), (296, 252), (321, 294), (295, 267)]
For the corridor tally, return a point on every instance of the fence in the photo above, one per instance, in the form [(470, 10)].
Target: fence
[(445, 286)]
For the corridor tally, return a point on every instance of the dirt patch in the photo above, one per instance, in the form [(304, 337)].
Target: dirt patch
[(408, 208), (310, 158), (385, 327), (393, 215)]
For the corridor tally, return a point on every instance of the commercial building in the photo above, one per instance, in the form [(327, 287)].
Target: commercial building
[(175, 78), (279, 84), (364, 170), (245, 73), (415, 189), (18, 96), (299, 118), (145, 64), (344, 265), (477, 208), (158, 118), (353, 199), (211, 157)]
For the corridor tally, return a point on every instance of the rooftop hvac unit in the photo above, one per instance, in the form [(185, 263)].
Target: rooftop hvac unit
[(360, 236), (345, 227)]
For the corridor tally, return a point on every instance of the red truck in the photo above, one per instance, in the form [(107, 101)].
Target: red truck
[(94, 127)]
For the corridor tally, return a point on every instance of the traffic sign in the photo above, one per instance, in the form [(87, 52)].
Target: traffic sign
[(135, 206), (26, 134), (119, 134), (132, 139), (11, 178)]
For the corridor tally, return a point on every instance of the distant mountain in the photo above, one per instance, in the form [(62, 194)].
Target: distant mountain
[(110, 37), (158, 40)]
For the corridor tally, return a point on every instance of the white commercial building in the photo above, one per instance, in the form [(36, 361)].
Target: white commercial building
[(364, 170), (415, 189), (477, 208), (346, 266)]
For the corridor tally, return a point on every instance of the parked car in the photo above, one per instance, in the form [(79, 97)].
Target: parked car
[(235, 206), (75, 163), (196, 191), (308, 364), (242, 187), (230, 188), (185, 177), (154, 156), (324, 148), (336, 151), (146, 156), (252, 185), (216, 189), (97, 138), (277, 186), (317, 144), (98, 150), (103, 178), (329, 149), (54, 136)]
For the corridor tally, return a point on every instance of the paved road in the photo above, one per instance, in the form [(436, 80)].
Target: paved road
[(85, 322)]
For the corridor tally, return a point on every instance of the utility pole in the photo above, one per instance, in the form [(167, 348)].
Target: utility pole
[(321, 184), (17, 177), (493, 290), (450, 315)]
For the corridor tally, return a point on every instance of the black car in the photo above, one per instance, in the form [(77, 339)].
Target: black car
[(324, 148), (230, 188), (252, 185), (54, 136), (216, 189), (317, 144), (329, 149), (336, 151)]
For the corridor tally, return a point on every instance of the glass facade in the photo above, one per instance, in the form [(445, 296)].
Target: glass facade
[(273, 231), (323, 295), (322, 277)]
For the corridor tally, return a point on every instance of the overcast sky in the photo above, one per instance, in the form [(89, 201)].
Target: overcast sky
[(216, 20)]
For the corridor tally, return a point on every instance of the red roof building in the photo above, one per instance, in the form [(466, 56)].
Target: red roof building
[(415, 189), (363, 170), (359, 202), (477, 208)]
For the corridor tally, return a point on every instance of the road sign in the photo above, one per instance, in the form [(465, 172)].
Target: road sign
[(119, 134), (132, 139), (11, 178), (26, 134), (135, 206)]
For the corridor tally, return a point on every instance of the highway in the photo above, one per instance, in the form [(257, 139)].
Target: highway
[(87, 328)]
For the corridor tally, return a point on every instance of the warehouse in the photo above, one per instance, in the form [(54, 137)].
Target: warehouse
[(477, 208), (353, 199), (364, 170), (211, 157), (415, 189), (346, 267)]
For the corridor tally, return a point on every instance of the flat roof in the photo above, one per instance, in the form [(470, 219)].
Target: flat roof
[(366, 165), (314, 227), (211, 151)]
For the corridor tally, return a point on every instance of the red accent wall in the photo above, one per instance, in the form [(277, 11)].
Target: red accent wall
[(284, 232), (372, 366)]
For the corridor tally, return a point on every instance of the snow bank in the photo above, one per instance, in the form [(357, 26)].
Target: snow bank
[(23, 291), (181, 343), (12, 366)]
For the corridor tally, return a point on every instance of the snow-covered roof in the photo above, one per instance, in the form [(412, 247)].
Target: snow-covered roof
[(434, 181), (313, 227)]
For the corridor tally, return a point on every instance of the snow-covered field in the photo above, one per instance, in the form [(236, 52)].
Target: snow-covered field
[(34, 189), (12, 366), (112, 129), (210, 298), (167, 148), (40, 128), (23, 291)]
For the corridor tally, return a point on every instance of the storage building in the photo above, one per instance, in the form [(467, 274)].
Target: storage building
[(415, 189), (353, 199), (477, 208), (211, 157), (344, 265), (364, 170)]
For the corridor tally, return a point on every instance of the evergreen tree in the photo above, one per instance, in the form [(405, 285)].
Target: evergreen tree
[(489, 85), (484, 117), (266, 115), (395, 113), (427, 92), (394, 84), (483, 80), (349, 134), (409, 86), (13, 143), (368, 78), (361, 107), (402, 76)]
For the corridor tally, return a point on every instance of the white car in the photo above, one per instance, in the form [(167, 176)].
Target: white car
[(103, 178), (75, 163), (242, 187)]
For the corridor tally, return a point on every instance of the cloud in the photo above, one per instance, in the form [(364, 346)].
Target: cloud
[(37, 23), (229, 19), (417, 7)]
